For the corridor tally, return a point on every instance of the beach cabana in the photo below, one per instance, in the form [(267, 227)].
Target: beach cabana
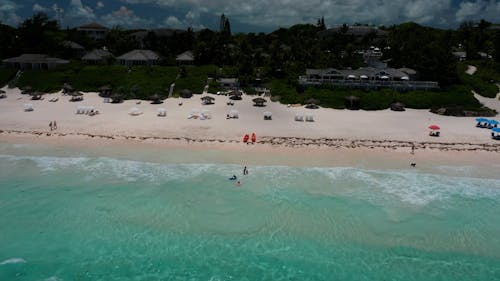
[(495, 133), (156, 99), (35, 95), (492, 124), (105, 91), (67, 88), (299, 117), (309, 118), (186, 94), (235, 95), (352, 102), (233, 113), (28, 107), (161, 112), (398, 106), (207, 100), (259, 102), (134, 111), (76, 96), (268, 115), (312, 103)]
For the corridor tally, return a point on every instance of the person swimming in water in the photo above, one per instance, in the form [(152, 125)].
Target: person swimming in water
[(238, 183), (233, 178)]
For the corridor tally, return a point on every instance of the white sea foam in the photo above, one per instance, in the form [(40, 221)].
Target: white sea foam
[(12, 261), (53, 278)]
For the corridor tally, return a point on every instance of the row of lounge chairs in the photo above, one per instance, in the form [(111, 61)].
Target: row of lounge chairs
[(87, 110), (300, 117)]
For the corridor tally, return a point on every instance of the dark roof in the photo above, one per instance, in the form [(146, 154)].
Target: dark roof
[(140, 55), (72, 45), (35, 58), (97, 54), (93, 25), (186, 56)]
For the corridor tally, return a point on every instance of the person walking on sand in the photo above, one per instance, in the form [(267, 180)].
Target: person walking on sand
[(50, 125), (245, 171), (55, 125)]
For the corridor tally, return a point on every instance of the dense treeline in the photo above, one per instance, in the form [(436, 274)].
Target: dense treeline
[(277, 58)]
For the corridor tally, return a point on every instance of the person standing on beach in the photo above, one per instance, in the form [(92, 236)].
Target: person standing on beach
[(245, 171), (412, 148), (50, 125), (55, 125)]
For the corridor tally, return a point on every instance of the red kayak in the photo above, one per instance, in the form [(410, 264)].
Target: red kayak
[(254, 137), (245, 138)]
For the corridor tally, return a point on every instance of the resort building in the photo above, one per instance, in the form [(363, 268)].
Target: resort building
[(74, 48), (34, 61), (97, 56), (94, 30), (139, 57), (185, 58), (228, 83), (367, 78)]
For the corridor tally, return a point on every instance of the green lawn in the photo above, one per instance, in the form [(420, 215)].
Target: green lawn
[(195, 79), (458, 96), (146, 80), (483, 81), (5, 75)]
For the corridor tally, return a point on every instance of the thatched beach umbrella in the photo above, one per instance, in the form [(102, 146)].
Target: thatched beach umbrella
[(259, 101), (312, 101), (352, 102), (207, 100), (186, 94), (398, 106), (27, 90), (105, 91), (35, 95), (116, 98), (235, 95), (156, 99), (76, 96), (67, 88)]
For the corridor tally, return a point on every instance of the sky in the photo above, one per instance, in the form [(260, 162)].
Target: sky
[(250, 15)]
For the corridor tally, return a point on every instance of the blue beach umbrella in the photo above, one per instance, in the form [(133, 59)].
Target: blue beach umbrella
[(496, 130), (481, 120), (493, 122)]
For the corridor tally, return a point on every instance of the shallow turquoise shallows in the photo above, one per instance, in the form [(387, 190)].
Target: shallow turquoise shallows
[(100, 218)]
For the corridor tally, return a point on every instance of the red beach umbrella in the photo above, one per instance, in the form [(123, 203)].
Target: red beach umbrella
[(434, 127)]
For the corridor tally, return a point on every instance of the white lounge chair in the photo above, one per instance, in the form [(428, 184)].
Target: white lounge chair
[(134, 111), (309, 118), (162, 112), (28, 107), (233, 114), (268, 115), (299, 117), (205, 114)]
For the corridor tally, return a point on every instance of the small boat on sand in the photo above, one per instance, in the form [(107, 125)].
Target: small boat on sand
[(245, 138)]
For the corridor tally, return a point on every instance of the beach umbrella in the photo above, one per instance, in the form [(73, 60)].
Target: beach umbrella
[(2, 92), (207, 99), (27, 90), (35, 95), (434, 127), (496, 130), (492, 122), (155, 99), (311, 106), (481, 120), (186, 94), (235, 95), (363, 77), (105, 91), (259, 101), (398, 106), (67, 88), (116, 98), (352, 102), (405, 78), (312, 101)]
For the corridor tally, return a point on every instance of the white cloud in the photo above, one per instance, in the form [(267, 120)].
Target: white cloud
[(275, 13), (39, 8), (173, 22), (125, 17), (8, 13), (79, 11), (99, 5)]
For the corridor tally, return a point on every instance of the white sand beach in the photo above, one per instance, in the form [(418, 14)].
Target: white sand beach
[(331, 128)]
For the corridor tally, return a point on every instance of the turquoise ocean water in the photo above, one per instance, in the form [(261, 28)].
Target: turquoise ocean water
[(88, 217)]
